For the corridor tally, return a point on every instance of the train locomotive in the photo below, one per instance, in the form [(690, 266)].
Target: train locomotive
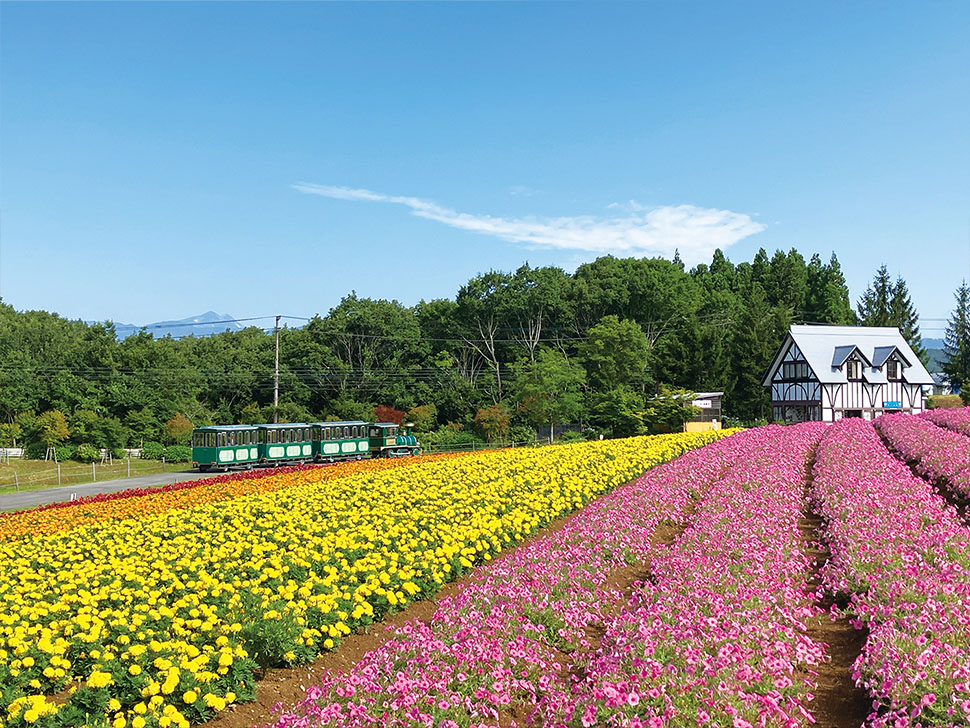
[(220, 447)]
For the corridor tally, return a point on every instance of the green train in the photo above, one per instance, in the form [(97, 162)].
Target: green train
[(221, 447)]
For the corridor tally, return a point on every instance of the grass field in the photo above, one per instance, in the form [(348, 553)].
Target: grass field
[(35, 474)]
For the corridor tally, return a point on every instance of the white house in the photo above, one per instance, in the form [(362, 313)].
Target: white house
[(830, 372)]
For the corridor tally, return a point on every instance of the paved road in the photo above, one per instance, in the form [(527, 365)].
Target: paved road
[(31, 498)]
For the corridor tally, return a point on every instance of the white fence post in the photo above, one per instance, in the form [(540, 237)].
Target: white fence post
[(94, 473), (58, 473), (129, 466)]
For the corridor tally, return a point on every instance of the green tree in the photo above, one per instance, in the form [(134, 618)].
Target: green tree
[(9, 432), (423, 416), (614, 354), (873, 305), (756, 338), (142, 426), (616, 411), (956, 343), (827, 297), (902, 315), (178, 430), (493, 422), (548, 390), (52, 430), (670, 409)]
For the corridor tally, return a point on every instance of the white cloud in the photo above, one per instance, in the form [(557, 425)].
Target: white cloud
[(695, 231)]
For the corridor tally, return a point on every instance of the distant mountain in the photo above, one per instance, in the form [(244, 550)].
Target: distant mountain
[(932, 343), (205, 324)]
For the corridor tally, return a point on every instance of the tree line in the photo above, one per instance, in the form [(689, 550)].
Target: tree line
[(608, 347)]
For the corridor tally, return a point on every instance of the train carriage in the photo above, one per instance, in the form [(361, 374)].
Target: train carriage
[(340, 440), (224, 447), (289, 442)]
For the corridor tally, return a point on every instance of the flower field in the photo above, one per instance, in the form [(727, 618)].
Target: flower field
[(941, 455), (156, 609), (682, 590)]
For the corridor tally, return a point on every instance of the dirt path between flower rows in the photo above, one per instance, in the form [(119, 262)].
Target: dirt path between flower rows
[(838, 702)]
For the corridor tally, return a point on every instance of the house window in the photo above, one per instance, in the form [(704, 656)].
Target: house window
[(892, 370), (853, 370), (788, 370)]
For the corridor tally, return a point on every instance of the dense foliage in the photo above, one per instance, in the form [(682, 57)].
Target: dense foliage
[(545, 347)]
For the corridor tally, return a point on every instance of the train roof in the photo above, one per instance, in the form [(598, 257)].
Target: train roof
[(341, 422), (222, 428), (386, 424)]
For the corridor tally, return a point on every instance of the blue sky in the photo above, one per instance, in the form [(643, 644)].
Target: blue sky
[(163, 159)]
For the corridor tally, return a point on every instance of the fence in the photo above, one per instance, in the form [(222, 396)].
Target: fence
[(78, 473), (475, 446)]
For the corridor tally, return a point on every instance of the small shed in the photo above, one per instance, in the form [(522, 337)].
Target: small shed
[(709, 417)]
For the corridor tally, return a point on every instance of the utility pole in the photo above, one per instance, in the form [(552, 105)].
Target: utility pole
[(276, 375)]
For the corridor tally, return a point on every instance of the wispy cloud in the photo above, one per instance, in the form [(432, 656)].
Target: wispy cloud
[(695, 231)]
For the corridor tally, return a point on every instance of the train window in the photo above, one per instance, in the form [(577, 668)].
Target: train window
[(346, 432), (231, 439), (302, 435), (289, 435), (353, 431), (221, 439), (374, 432)]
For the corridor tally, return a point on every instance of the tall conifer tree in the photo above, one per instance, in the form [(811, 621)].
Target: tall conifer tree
[(956, 344), (902, 315)]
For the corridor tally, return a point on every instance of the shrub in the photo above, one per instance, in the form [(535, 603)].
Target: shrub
[(152, 451), (63, 452), (572, 436), (521, 433), (35, 451), (87, 453), (944, 401), (178, 454), (119, 453)]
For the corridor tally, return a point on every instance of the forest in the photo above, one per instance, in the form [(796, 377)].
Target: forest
[(511, 354)]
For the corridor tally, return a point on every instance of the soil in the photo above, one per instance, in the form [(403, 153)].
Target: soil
[(838, 702)]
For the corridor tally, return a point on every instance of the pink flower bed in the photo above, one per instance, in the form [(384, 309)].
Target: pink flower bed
[(937, 454), (717, 630), (504, 642), (900, 555), (719, 639), (957, 419)]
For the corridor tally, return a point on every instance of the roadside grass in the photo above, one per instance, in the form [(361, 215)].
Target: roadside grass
[(37, 474)]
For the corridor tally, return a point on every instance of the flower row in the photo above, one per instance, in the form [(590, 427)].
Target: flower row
[(161, 620), (142, 502), (957, 419), (938, 454), (900, 556)]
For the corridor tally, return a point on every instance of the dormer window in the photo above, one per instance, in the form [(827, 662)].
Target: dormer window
[(853, 370), (893, 370)]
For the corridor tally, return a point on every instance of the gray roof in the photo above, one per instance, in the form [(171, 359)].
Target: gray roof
[(841, 354), (822, 346)]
